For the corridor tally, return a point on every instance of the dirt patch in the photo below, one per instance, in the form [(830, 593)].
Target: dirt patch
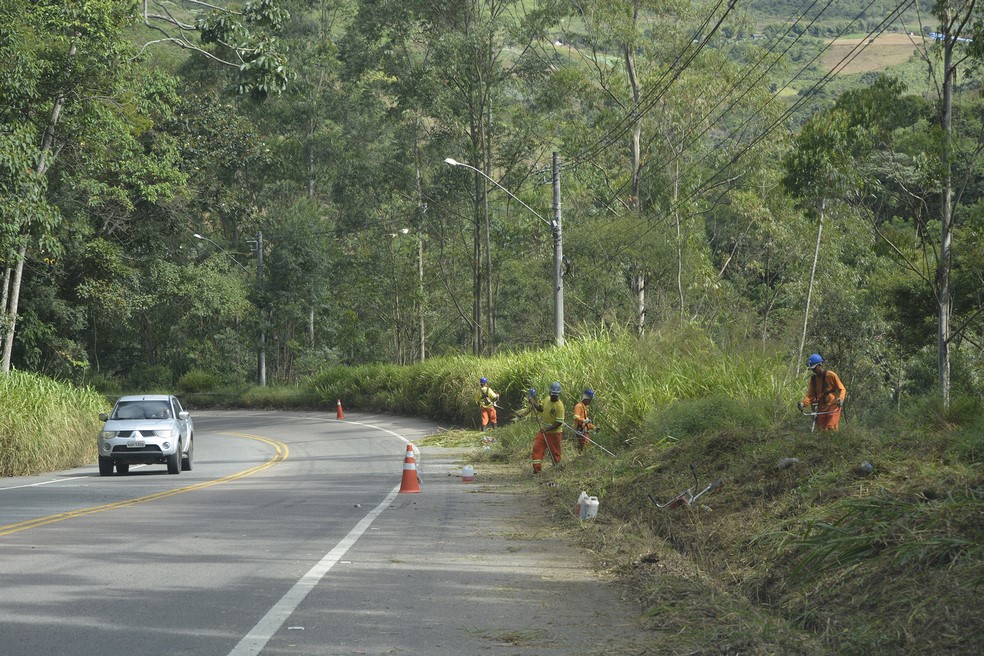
[(881, 53)]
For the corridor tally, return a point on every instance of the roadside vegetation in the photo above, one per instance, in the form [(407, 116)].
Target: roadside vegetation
[(800, 551), (46, 425)]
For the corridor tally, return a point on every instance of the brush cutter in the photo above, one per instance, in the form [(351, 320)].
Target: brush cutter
[(585, 436), (814, 414), (690, 495)]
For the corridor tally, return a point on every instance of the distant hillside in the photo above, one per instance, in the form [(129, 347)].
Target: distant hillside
[(766, 12), (882, 53)]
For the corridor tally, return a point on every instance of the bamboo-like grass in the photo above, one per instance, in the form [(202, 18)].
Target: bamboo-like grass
[(632, 379), (46, 425)]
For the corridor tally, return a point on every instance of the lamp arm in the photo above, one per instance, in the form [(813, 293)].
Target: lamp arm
[(509, 193)]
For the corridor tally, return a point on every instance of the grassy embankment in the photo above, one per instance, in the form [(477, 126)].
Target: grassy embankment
[(46, 425), (811, 556), (815, 557)]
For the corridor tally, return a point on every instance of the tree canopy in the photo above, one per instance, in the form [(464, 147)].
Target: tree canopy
[(188, 187)]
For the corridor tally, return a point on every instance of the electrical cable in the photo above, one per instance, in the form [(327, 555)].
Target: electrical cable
[(656, 92), (576, 159), (823, 81)]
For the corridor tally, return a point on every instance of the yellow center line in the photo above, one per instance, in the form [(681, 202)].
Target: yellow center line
[(279, 456)]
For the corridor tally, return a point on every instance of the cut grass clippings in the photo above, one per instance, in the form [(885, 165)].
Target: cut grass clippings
[(816, 558)]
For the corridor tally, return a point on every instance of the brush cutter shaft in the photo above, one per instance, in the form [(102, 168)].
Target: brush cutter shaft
[(687, 497), (817, 414), (585, 436)]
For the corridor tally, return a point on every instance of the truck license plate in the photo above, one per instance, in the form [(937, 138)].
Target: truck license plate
[(135, 444)]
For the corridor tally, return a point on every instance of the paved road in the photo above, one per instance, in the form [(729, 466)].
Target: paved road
[(289, 537)]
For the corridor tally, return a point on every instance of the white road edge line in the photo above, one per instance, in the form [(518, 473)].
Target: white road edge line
[(379, 428), (254, 641), (416, 450), (54, 480)]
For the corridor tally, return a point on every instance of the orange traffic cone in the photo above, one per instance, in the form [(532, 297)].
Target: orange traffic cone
[(410, 484), (339, 413)]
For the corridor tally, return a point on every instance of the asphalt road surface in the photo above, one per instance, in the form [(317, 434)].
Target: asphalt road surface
[(290, 536)]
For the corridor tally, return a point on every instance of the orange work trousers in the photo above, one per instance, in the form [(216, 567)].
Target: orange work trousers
[(542, 442), (831, 421), (488, 416), (581, 431)]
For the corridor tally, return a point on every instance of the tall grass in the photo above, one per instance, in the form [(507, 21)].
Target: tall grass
[(632, 378), (46, 425)]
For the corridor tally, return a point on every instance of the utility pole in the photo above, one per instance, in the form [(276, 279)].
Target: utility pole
[(558, 256), (420, 292), (258, 293), (558, 239), (261, 346)]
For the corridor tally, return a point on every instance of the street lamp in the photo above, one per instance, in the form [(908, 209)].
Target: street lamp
[(555, 227), (261, 343)]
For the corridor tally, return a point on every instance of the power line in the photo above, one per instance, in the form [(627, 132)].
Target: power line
[(769, 51), (655, 93), (823, 81), (771, 99)]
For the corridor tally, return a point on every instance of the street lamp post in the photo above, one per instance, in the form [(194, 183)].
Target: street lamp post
[(261, 342), (558, 240)]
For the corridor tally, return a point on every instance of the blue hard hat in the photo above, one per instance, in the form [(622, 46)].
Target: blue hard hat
[(813, 361), (532, 391), (483, 380), (555, 387), (589, 393)]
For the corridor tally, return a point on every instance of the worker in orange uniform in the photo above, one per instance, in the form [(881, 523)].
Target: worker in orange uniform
[(825, 394), (582, 423), (486, 401), (551, 428)]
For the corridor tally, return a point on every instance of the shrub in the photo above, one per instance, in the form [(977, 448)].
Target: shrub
[(105, 384), (197, 381), (151, 378)]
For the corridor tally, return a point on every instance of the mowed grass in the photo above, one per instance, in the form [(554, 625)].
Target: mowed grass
[(882, 53)]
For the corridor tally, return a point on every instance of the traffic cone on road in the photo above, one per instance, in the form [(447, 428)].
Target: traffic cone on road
[(410, 484), (339, 413)]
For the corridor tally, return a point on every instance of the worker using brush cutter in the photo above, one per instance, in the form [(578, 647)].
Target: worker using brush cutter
[(551, 428), (582, 423), (825, 394), (530, 408), (486, 401)]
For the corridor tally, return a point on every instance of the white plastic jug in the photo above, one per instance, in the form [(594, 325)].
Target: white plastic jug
[(467, 474), (590, 508), (582, 507)]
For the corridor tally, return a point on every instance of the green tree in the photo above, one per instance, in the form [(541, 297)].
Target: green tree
[(472, 70), (70, 63), (242, 40)]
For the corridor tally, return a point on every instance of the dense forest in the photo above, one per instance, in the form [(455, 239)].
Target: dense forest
[(252, 191)]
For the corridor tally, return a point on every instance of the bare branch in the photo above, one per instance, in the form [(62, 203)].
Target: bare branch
[(962, 327)]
